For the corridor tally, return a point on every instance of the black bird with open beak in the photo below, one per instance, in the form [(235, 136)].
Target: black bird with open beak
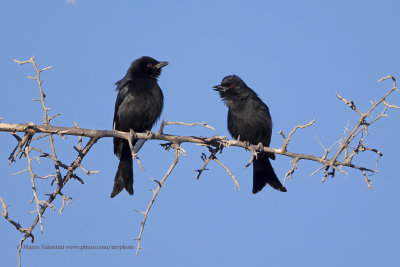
[(249, 118)]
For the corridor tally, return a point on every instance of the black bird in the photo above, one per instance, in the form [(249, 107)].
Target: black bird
[(249, 118), (138, 106)]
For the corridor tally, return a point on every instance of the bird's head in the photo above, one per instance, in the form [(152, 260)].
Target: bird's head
[(231, 87), (146, 66)]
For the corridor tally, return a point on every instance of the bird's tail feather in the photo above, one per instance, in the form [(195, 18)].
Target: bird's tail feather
[(123, 177), (263, 174)]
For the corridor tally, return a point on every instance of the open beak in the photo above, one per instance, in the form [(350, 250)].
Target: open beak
[(220, 88), (161, 64)]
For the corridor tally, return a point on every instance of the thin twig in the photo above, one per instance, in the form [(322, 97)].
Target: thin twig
[(33, 176), (289, 174), (155, 193), (164, 123), (287, 140), (229, 172)]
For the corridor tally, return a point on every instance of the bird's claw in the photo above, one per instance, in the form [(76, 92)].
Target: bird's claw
[(246, 145), (260, 147), (132, 132)]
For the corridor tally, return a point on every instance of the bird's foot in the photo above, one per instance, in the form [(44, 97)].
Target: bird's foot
[(246, 145), (132, 132), (260, 147)]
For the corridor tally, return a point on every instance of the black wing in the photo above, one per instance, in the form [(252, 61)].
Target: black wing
[(123, 91)]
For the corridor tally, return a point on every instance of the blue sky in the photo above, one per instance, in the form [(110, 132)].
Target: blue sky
[(295, 54)]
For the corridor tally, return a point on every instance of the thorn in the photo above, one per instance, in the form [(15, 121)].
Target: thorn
[(141, 212), (158, 182)]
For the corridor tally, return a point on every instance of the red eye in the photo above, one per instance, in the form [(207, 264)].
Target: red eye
[(230, 86), (149, 65)]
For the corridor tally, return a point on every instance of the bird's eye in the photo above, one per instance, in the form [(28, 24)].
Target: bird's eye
[(230, 86), (149, 65)]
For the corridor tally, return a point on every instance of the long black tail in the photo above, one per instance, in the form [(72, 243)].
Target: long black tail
[(124, 176), (263, 174)]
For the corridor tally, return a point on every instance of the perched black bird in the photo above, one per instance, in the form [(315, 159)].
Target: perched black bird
[(249, 118), (138, 106)]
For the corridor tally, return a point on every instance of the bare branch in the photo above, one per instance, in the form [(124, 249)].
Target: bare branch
[(26, 231), (96, 134), (349, 103), (5, 215), (164, 123), (368, 181), (206, 161), (87, 172), (33, 176), (289, 174), (229, 172), (65, 200), (287, 140), (155, 193)]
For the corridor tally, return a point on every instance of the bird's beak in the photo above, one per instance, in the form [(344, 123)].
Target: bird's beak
[(161, 64), (219, 88)]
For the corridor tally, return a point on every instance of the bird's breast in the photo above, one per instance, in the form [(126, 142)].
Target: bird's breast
[(140, 110), (250, 124)]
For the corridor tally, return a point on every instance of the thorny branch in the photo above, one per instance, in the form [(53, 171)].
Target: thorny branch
[(178, 152), (24, 147), (212, 156), (46, 118), (360, 127), (347, 148)]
